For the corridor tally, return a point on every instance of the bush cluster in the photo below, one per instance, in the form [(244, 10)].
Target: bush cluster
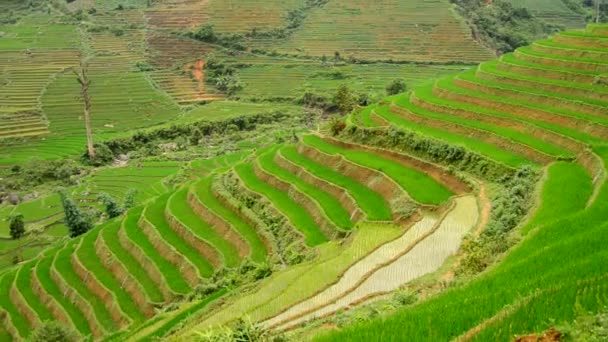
[(455, 157), (146, 142), (509, 207), (36, 172)]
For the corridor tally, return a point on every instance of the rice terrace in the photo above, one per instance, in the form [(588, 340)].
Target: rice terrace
[(303, 170)]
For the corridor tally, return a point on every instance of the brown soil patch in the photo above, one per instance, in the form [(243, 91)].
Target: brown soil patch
[(529, 97), (439, 174), (206, 250), (480, 135), (100, 291), (313, 209), (131, 286), (521, 111), (188, 271), (219, 225), (337, 192), (376, 181), (535, 131), (551, 335)]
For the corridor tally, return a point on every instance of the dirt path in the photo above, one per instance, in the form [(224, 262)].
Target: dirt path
[(421, 257)]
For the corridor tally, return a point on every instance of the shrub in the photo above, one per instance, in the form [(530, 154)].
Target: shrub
[(396, 86), (344, 99), (205, 33), (103, 156), (53, 332), (130, 199), (78, 222), (17, 226), (111, 207)]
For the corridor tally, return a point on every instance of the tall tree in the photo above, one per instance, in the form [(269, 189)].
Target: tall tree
[(78, 222), (83, 79), (17, 226)]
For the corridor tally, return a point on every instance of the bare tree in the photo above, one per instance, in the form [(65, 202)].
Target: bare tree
[(83, 78)]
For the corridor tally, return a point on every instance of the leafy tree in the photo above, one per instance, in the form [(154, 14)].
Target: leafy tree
[(17, 226), (130, 199), (53, 332), (344, 99), (396, 86), (111, 207), (78, 223), (206, 34)]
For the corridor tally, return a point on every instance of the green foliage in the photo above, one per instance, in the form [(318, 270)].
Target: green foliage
[(243, 330), (205, 33), (78, 222), (129, 201), (17, 226), (53, 332), (103, 156), (502, 26), (588, 328), (112, 208), (344, 99), (36, 172), (396, 86), (509, 207)]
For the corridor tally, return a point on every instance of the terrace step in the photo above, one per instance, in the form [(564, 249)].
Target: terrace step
[(298, 217), (522, 94), (217, 222), (198, 234), (151, 251), (124, 277), (451, 91), (155, 216)]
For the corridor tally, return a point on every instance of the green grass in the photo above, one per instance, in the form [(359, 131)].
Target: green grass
[(182, 316), (180, 209), (63, 265), (369, 201), (329, 204), (565, 192), (562, 265), (88, 257), (421, 187), (22, 325), (43, 271), (174, 278), (155, 214), (297, 215), (23, 283), (204, 193), (110, 237)]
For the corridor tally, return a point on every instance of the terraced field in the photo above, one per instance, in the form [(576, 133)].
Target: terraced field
[(536, 92), (396, 30), (339, 216)]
